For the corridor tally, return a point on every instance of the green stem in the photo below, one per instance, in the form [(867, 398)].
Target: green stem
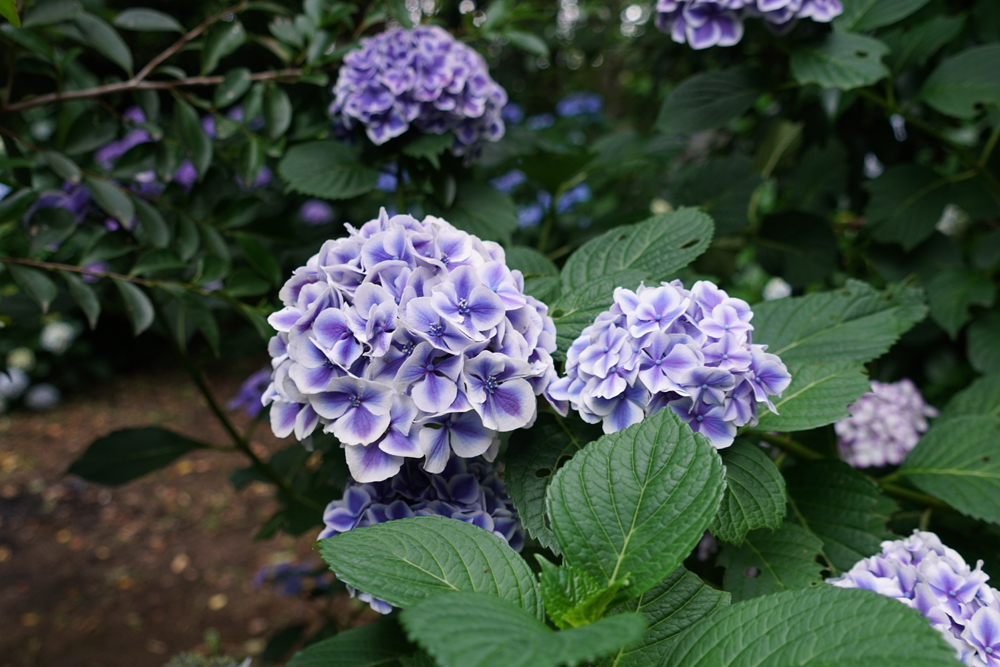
[(787, 444), (991, 143), (909, 495)]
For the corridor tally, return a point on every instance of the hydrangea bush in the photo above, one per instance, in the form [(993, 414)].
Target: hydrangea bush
[(576, 323)]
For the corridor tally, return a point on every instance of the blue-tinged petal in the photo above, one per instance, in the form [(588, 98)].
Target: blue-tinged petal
[(305, 422), (434, 445), (434, 393), (510, 406), (469, 437), (283, 418), (371, 464), (359, 426)]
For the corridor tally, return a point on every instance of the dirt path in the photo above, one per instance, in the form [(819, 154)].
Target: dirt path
[(91, 576)]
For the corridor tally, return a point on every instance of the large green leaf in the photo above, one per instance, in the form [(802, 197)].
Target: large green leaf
[(328, 169), (906, 203), (722, 188), (855, 323), (137, 305), (84, 297), (482, 211), (575, 311), (8, 10), (819, 178), (477, 630), (836, 503), (672, 606), (405, 561), (982, 398), (963, 82), (36, 284), (755, 493), (100, 36), (860, 15), (142, 19), (820, 627), (572, 597), (958, 460), (952, 291), (380, 644), (708, 100), (656, 248), (533, 458), (124, 455), (48, 13), (840, 60), (915, 45), (112, 200), (818, 395), (771, 561), (634, 503), (194, 140), (530, 262), (983, 344), (223, 39)]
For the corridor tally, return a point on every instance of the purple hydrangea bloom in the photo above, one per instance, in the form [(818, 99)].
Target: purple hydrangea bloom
[(316, 212), (250, 392), (885, 424), (468, 490), (107, 155), (506, 183), (512, 113), (706, 23), (290, 578), (408, 339), (580, 104), (422, 78), (664, 346), (578, 194), (925, 575), (73, 198)]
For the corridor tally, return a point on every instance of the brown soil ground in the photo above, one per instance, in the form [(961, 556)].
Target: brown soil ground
[(106, 577)]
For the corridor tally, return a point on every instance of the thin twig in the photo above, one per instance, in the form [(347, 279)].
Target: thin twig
[(787, 444), (145, 282)]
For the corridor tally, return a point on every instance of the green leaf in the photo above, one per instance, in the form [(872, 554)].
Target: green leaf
[(380, 644), (47, 13), (530, 262), (196, 308), (771, 561), (672, 606), (90, 131), (152, 228), (840, 60), (708, 100), (861, 15), (821, 627), (328, 169), (575, 311), (656, 247), (799, 247), (124, 455), (235, 84), (527, 41), (260, 258), (104, 39), (722, 188), (62, 165), (962, 82), (244, 282), (398, 10), (142, 19), (483, 211), (84, 297), (755, 493), (819, 178), (477, 630), (982, 397), (277, 111), (634, 503), (906, 203), (50, 226), (958, 460), (819, 395), (112, 200), (572, 597), (8, 10), (196, 143), (836, 503), (952, 291), (137, 305), (221, 41), (407, 560), (983, 344), (156, 260), (777, 149), (532, 460), (429, 147), (35, 284), (916, 45), (854, 323)]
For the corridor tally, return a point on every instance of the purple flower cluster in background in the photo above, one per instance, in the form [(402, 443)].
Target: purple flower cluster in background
[(316, 212), (422, 78), (467, 490), (408, 338), (580, 104), (885, 424), (667, 346), (290, 578), (925, 575), (705, 23), (248, 398)]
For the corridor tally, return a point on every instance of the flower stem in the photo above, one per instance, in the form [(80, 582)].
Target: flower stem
[(787, 444)]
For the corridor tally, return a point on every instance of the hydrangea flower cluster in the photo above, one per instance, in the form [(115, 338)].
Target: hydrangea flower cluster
[(248, 397), (467, 490), (408, 339), (885, 424), (925, 575), (422, 78), (666, 346), (705, 23)]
